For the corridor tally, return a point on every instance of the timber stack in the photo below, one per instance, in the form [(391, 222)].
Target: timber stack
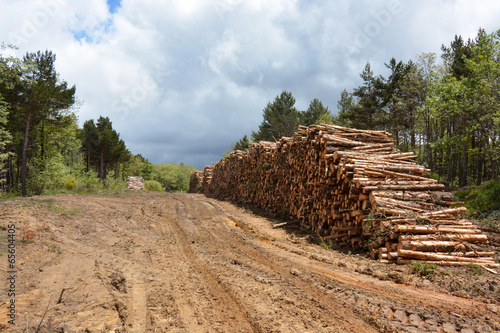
[(206, 179), (135, 183), (195, 181), (355, 188)]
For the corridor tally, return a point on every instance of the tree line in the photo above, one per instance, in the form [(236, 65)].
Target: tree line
[(42, 147), (446, 111)]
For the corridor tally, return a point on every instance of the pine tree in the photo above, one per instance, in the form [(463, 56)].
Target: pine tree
[(39, 95), (5, 139), (314, 113), (281, 118)]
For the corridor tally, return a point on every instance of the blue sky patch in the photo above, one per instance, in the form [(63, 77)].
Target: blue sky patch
[(80, 35), (113, 5)]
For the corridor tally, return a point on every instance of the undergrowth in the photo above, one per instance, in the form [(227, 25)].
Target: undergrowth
[(482, 202), (424, 269)]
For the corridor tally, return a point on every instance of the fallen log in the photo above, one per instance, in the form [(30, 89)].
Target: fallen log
[(432, 229), (441, 257), (402, 261), (416, 187), (475, 238)]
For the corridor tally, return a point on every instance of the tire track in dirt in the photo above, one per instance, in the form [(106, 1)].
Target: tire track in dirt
[(162, 262), (267, 269), (138, 303), (412, 309), (226, 304)]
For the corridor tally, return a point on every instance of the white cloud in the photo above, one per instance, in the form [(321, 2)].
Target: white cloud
[(181, 80)]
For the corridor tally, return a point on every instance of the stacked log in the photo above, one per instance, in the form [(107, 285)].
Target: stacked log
[(195, 181), (206, 179), (355, 188), (135, 183)]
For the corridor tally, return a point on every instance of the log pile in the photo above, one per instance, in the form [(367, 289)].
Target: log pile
[(135, 183), (206, 179), (355, 188), (195, 181)]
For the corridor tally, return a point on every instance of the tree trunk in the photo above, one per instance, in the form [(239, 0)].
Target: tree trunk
[(412, 129), (88, 161), (42, 142), (101, 166), (11, 173), (396, 129), (465, 160), (24, 155)]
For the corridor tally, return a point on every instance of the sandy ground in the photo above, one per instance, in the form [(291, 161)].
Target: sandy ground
[(159, 262)]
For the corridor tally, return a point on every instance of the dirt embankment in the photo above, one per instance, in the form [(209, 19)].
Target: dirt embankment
[(185, 263)]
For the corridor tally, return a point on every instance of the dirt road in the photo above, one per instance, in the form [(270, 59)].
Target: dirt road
[(157, 262)]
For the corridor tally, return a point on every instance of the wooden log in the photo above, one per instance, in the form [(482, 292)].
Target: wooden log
[(474, 238), (474, 254), (431, 245), (435, 197), (431, 229), (373, 146), (440, 257), (416, 187), (363, 181), (392, 255), (445, 212), (373, 253), (399, 174), (403, 261), (284, 224)]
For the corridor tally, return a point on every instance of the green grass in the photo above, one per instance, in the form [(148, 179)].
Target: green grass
[(3, 241), (64, 211), (424, 269), (476, 269), (54, 248), (482, 202)]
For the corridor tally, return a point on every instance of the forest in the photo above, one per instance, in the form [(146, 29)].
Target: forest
[(42, 148), (447, 111)]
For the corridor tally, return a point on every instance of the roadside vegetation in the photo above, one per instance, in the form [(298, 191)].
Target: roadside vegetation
[(482, 202), (44, 151)]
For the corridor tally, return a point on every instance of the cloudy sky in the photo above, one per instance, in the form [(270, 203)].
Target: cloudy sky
[(183, 79)]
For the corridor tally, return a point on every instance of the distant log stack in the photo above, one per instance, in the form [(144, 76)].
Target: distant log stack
[(195, 181), (355, 188), (206, 179), (135, 183)]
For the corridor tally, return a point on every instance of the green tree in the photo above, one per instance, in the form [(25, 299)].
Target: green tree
[(464, 105), (5, 138), (243, 144), (111, 148), (368, 111), (315, 113), (455, 56), (137, 165), (173, 177), (90, 140), (346, 109), (391, 95), (281, 118), (38, 95)]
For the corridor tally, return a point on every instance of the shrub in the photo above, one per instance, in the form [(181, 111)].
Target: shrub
[(424, 269), (70, 183), (481, 201), (152, 185), (87, 180), (112, 183)]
